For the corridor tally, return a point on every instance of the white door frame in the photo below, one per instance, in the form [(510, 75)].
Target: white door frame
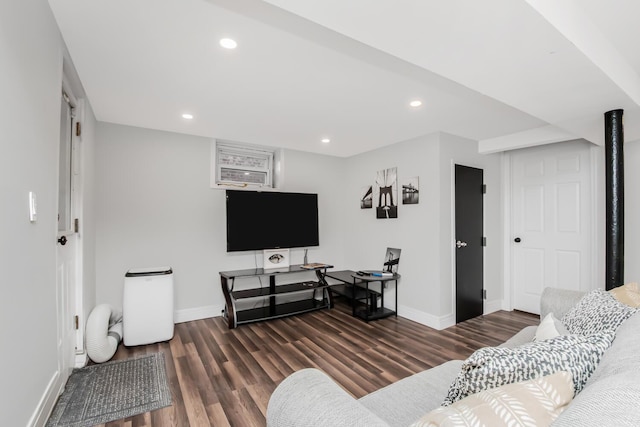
[(597, 233), (77, 193), (78, 197)]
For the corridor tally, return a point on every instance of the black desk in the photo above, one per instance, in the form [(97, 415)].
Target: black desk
[(357, 288)]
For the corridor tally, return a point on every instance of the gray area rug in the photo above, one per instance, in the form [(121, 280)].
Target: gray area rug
[(98, 394)]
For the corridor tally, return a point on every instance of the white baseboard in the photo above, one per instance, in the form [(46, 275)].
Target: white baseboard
[(446, 321), (492, 306), (197, 313), (48, 401), (427, 319)]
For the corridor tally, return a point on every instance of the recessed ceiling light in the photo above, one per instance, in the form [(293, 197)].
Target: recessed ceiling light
[(228, 43), (325, 140), (415, 103), (187, 116)]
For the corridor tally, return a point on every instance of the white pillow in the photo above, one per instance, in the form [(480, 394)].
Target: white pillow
[(550, 327)]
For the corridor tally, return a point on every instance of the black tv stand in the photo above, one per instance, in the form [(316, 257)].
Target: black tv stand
[(272, 308)]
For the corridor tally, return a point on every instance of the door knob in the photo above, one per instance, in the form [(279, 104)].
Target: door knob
[(62, 240), (460, 244), (517, 240)]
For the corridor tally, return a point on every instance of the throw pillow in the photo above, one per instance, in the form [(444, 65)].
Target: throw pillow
[(536, 402), (492, 367), (628, 294), (550, 327), (597, 311)]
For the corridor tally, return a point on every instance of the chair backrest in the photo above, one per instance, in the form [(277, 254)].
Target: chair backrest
[(391, 260)]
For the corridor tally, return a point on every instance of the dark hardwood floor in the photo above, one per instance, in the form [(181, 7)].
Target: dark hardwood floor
[(221, 377)]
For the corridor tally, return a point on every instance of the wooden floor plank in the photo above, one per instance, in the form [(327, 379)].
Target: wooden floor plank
[(223, 377), (193, 399)]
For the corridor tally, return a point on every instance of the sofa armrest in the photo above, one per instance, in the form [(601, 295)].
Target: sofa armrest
[(309, 397), (558, 301)]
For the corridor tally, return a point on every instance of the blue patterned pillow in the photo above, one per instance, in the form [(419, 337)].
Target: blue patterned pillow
[(597, 311), (492, 367)]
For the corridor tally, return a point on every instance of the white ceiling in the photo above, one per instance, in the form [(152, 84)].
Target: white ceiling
[(507, 73)]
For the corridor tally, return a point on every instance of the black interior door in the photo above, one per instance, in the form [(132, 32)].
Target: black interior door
[(469, 242)]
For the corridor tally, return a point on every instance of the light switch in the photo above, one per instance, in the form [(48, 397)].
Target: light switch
[(33, 214)]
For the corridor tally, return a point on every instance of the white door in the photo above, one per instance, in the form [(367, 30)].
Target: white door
[(551, 221), (66, 246)]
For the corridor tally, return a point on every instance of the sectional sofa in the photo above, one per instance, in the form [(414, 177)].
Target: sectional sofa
[(584, 359)]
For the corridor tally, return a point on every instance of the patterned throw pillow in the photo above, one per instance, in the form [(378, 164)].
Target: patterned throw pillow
[(628, 294), (597, 311), (492, 367), (536, 402)]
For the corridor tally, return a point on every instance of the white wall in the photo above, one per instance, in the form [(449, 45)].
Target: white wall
[(415, 231), (31, 58), (154, 207), (422, 231), (631, 212)]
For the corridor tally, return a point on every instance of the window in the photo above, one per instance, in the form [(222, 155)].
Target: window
[(243, 165)]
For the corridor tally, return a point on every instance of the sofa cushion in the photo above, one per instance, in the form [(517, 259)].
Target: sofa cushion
[(628, 294), (612, 401), (624, 354), (550, 327), (534, 402), (610, 397), (405, 401), (558, 301), (597, 311), (492, 367), (525, 336)]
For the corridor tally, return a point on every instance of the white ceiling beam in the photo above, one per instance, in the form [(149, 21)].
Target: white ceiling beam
[(529, 138), (572, 22)]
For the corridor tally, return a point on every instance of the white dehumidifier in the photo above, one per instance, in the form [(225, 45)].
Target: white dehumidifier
[(147, 306)]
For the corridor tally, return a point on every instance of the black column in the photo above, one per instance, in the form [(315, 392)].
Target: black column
[(614, 182)]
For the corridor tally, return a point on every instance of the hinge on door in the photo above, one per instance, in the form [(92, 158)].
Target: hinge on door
[(484, 294), (76, 225), (484, 241), (484, 188), (78, 129), (76, 321)]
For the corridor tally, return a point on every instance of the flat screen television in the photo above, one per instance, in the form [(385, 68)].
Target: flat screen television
[(259, 220)]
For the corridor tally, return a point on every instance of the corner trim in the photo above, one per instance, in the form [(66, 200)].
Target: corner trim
[(427, 319), (493, 306)]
